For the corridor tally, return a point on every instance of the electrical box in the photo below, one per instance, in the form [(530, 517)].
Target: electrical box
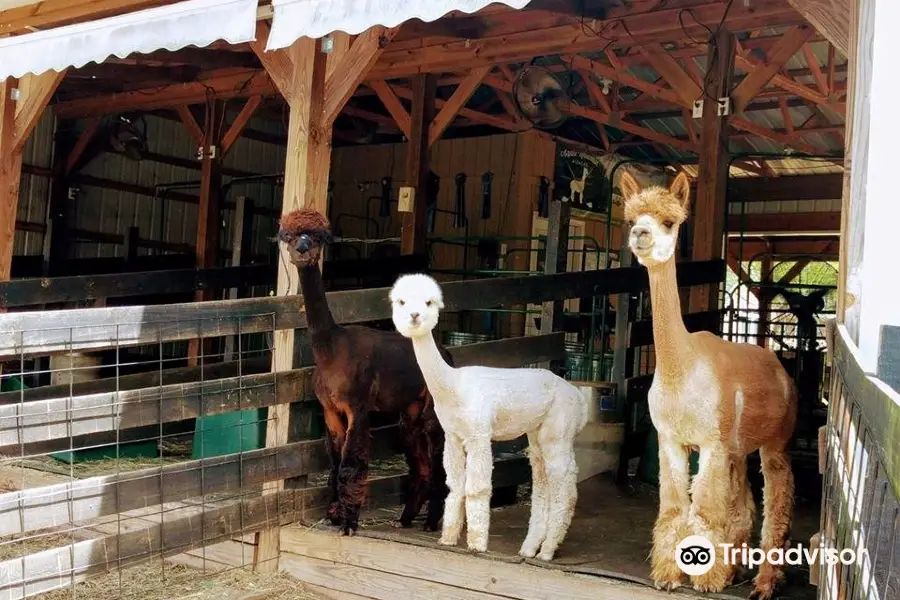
[(407, 199)]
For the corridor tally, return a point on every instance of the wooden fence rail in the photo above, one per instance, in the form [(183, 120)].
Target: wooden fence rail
[(41, 333), (27, 427)]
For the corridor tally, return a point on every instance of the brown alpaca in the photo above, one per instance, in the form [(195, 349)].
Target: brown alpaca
[(723, 398), (360, 370)]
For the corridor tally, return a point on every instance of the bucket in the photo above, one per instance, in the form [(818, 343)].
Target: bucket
[(463, 338), (580, 368)]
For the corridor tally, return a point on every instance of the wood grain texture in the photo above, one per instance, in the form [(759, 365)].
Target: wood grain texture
[(831, 18), (40, 332), (378, 566)]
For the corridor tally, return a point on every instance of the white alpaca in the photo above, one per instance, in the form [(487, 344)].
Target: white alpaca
[(478, 404)]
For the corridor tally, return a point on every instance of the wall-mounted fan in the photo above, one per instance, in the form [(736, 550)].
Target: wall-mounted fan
[(127, 139), (540, 97)]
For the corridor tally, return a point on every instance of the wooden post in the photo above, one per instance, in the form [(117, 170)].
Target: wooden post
[(709, 208), (555, 257), (21, 104), (209, 211), (765, 300), (241, 247), (10, 174), (305, 184), (413, 228)]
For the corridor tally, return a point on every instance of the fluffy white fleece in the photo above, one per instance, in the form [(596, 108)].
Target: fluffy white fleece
[(478, 404)]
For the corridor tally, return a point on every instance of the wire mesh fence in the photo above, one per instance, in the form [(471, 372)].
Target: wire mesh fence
[(115, 453), (861, 505)]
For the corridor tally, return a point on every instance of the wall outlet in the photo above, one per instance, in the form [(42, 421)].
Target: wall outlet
[(407, 199), (698, 109)]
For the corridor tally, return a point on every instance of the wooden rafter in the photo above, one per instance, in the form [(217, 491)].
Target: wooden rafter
[(82, 143), (457, 101), (760, 76), (669, 69), (393, 105), (53, 13), (831, 17), (816, 70), (794, 271), (353, 68), (190, 123), (240, 122)]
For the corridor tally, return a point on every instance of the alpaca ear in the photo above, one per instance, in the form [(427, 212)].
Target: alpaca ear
[(629, 185), (681, 190)]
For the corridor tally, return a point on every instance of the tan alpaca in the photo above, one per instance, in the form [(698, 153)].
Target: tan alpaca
[(725, 399)]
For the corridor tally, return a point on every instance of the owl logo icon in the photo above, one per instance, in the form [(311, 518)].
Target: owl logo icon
[(695, 555)]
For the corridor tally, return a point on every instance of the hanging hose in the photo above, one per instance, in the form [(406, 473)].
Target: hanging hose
[(486, 180), (460, 220)]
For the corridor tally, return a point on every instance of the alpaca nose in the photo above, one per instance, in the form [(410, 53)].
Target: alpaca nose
[(640, 231), (414, 316)]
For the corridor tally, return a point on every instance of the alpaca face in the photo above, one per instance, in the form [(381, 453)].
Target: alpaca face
[(416, 302), (654, 216), (304, 232)]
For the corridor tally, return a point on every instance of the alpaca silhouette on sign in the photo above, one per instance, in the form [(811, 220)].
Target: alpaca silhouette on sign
[(576, 186)]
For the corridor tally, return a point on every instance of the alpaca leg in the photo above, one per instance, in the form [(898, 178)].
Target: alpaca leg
[(438, 484), (778, 508), (455, 466), (562, 475), (479, 468), (354, 472), (709, 516), (537, 525), (336, 433), (411, 432), (743, 508), (671, 522)]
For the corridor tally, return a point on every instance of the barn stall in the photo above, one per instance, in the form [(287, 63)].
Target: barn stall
[(155, 340)]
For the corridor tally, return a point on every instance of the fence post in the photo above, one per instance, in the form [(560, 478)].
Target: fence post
[(555, 257)]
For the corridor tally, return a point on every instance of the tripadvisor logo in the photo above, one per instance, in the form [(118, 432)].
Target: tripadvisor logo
[(695, 555)]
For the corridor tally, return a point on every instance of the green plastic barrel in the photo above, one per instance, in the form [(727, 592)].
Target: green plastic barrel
[(229, 433)]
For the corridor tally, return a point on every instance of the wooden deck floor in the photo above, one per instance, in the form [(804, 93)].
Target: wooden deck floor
[(603, 556)]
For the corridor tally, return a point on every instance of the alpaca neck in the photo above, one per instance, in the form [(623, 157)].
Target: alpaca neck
[(670, 337), (318, 316), (437, 373)]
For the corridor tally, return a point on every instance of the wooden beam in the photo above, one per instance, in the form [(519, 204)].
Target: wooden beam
[(242, 84), (277, 63), (787, 187), (831, 18), (457, 101), (664, 64), (413, 228), (353, 68), (18, 118), (240, 122), (84, 140), (813, 64), (35, 92), (393, 105), (305, 185), (824, 248), (45, 14), (710, 206), (819, 222), (787, 47), (190, 123), (10, 176)]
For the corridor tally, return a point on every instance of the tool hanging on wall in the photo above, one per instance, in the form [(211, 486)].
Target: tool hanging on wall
[(432, 187), (385, 206), (544, 198), (486, 181), (460, 220)]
